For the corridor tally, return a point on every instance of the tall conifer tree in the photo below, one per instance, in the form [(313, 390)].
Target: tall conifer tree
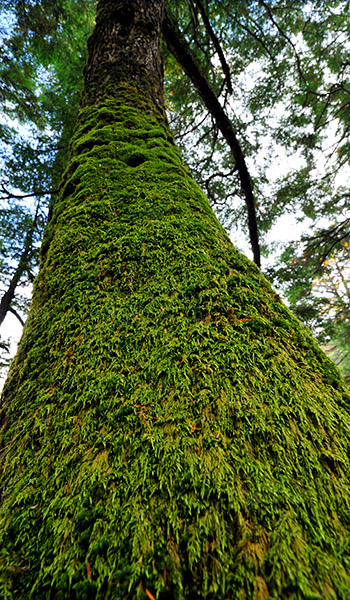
[(169, 429)]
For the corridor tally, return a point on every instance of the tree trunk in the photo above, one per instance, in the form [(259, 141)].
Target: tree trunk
[(125, 47), (23, 265), (169, 429)]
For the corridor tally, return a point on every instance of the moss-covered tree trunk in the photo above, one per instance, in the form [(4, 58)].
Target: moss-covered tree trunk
[(169, 429)]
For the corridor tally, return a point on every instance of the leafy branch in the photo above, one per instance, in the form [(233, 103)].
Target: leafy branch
[(217, 45), (326, 240)]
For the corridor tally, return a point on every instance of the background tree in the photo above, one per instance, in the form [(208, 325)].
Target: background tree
[(42, 58), (328, 311), (169, 429)]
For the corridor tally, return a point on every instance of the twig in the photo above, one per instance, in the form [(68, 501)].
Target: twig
[(14, 312), (21, 196), (217, 45)]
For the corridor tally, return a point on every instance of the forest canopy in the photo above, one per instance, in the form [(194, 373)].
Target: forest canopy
[(280, 74)]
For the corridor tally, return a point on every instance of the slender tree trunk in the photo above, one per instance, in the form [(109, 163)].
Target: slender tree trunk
[(8, 296), (169, 430)]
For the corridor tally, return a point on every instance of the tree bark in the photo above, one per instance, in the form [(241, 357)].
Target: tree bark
[(125, 46)]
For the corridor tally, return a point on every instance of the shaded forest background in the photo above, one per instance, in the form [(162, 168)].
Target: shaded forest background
[(280, 73)]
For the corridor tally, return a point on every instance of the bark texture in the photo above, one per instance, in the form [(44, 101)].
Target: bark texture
[(125, 46), (169, 429)]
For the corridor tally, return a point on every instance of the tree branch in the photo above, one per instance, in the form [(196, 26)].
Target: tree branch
[(217, 45), (257, 39), (179, 49), (6, 300), (209, 179), (14, 312), (20, 196), (288, 40), (194, 126), (327, 239)]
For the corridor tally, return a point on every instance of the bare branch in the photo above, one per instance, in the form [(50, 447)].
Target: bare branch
[(213, 176), (179, 49), (217, 45), (14, 312), (193, 127)]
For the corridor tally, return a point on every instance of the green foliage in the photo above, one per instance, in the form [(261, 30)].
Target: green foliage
[(42, 60), (172, 430), (321, 296), (289, 69)]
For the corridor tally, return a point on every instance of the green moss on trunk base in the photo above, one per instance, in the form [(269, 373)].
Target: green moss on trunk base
[(169, 425)]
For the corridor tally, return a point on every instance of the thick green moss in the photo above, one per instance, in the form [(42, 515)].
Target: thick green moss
[(170, 426)]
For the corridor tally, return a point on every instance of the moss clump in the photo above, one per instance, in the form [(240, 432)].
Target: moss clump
[(169, 426)]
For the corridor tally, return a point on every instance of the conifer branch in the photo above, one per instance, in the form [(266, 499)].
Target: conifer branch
[(7, 195), (259, 40), (325, 241), (285, 37)]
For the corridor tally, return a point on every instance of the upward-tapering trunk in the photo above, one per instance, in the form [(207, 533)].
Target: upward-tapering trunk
[(169, 429), (125, 46)]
